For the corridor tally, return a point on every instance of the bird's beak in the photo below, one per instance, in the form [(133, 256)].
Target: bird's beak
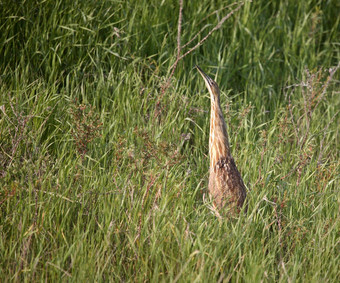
[(206, 78)]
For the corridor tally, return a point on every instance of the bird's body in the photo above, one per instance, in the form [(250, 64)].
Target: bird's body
[(225, 183)]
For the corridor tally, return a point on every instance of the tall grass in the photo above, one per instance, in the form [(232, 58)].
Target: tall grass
[(104, 176)]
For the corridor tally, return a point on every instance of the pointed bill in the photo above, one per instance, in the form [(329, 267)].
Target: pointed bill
[(206, 78)]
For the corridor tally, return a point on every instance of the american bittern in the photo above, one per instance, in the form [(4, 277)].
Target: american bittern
[(225, 182)]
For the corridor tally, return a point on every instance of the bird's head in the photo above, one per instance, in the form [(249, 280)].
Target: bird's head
[(210, 84)]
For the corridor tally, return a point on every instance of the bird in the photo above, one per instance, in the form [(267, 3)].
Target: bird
[(225, 182)]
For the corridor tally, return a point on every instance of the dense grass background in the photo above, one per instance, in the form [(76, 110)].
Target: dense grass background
[(104, 177)]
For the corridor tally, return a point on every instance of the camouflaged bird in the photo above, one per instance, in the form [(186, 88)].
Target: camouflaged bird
[(225, 182)]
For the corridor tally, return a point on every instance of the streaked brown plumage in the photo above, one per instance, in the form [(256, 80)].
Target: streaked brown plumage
[(225, 182)]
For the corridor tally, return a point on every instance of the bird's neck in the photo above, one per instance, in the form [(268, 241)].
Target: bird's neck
[(218, 142)]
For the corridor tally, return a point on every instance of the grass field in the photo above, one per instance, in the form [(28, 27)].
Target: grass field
[(104, 155)]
